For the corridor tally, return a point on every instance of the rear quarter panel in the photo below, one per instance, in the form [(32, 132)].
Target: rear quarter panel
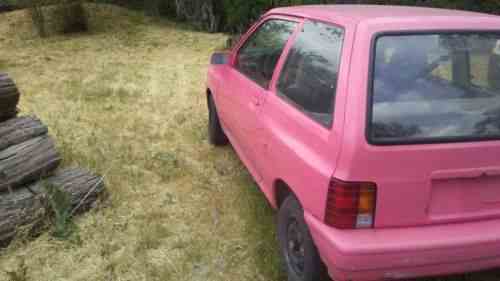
[(403, 173)]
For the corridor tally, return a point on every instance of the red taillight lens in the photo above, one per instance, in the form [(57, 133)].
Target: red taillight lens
[(350, 205)]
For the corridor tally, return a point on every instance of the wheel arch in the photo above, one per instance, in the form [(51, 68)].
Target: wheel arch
[(209, 94), (281, 191)]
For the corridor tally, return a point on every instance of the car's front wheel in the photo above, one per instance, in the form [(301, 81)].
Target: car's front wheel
[(216, 135), (300, 256)]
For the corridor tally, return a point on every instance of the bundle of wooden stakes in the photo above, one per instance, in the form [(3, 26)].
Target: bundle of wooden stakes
[(29, 163)]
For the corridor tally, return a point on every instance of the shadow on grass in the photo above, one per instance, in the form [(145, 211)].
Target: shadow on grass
[(260, 229)]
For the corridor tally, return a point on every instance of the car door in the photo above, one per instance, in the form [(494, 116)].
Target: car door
[(303, 115), (246, 83)]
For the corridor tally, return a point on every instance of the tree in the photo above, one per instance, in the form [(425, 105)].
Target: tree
[(236, 15)]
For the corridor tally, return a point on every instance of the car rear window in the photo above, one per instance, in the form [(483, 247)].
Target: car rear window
[(438, 87)]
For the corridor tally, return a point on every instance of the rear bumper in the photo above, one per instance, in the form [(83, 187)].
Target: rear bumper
[(385, 254)]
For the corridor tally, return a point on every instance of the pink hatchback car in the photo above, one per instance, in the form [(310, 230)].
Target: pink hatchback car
[(376, 132)]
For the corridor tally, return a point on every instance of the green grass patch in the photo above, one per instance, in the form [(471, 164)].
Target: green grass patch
[(60, 206)]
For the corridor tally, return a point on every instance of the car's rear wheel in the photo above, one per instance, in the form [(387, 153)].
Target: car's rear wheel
[(216, 134), (300, 256)]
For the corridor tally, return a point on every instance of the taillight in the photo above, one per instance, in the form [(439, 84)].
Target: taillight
[(351, 205)]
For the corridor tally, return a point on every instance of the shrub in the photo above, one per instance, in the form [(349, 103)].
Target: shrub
[(66, 16), (35, 11), (236, 15), (70, 16), (60, 206), (205, 14), (152, 7), (233, 16)]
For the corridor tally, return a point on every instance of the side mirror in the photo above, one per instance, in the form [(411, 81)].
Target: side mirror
[(219, 59)]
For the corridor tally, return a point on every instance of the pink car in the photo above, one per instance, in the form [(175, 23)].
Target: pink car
[(375, 130)]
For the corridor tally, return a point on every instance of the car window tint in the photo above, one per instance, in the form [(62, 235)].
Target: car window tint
[(436, 87), (309, 78), (260, 54)]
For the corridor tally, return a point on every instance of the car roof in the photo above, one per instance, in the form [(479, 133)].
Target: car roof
[(360, 13)]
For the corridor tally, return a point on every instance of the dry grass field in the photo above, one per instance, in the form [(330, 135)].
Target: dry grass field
[(127, 101)]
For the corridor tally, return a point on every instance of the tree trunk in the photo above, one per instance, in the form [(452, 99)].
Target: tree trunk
[(180, 9), (18, 130), (27, 207), (203, 13), (27, 162), (209, 17), (9, 97)]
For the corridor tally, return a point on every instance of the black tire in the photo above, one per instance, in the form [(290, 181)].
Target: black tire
[(9, 98), (216, 135), (299, 254)]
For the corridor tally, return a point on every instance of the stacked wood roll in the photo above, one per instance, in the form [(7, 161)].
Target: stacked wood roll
[(26, 206), (28, 162), (9, 97)]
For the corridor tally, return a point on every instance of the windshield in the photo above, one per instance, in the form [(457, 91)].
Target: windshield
[(436, 87)]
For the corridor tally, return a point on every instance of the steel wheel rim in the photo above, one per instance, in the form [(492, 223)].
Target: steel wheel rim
[(295, 252)]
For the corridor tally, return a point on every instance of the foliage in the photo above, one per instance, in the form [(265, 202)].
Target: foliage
[(70, 16), (37, 16), (237, 15), (60, 206), (233, 16), (221, 15), (205, 14), (152, 7)]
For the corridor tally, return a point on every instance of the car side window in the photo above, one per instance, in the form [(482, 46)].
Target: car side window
[(309, 78), (259, 55)]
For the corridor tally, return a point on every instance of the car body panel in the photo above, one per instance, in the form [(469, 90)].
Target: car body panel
[(403, 253), (245, 125), (428, 216), (306, 151), (411, 166)]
